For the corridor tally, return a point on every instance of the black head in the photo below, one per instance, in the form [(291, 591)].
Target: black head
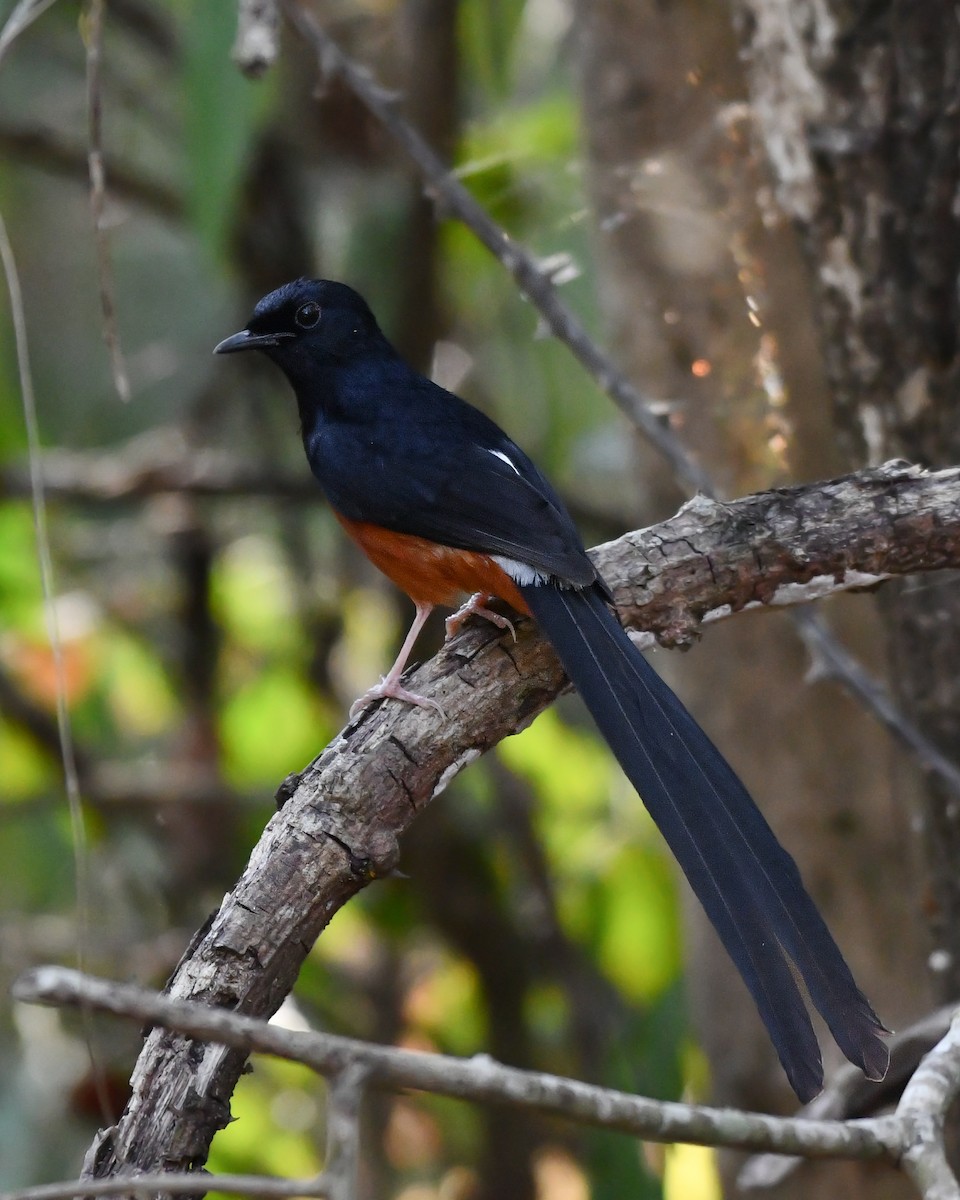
[(308, 319)]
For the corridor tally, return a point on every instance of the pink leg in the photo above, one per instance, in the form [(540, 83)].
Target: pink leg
[(390, 684), (476, 606)]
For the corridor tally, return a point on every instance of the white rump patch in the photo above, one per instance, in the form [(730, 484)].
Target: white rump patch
[(519, 572), (504, 458)]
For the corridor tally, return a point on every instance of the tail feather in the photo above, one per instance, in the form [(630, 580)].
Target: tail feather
[(747, 883)]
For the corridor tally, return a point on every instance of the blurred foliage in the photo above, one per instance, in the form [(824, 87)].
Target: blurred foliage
[(211, 645)]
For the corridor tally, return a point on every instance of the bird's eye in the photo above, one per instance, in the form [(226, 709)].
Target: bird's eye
[(308, 315)]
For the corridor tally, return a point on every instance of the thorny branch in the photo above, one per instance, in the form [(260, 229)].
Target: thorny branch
[(341, 818)]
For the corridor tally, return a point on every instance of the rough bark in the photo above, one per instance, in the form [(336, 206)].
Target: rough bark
[(856, 106), (695, 272), (339, 826)]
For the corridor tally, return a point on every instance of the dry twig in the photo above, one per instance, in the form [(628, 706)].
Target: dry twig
[(480, 1079), (912, 1137)]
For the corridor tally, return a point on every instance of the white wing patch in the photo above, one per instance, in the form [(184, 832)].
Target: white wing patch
[(504, 458), (519, 572)]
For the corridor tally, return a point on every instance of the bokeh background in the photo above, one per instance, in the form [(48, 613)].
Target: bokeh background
[(215, 626)]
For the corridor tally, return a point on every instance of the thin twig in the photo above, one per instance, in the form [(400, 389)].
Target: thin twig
[(341, 1169), (48, 587), (833, 661), (480, 1078), (68, 752), (191, 1183), (535, 282), (98, 196)]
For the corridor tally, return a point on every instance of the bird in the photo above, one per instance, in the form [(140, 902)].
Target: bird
[(447, 505)]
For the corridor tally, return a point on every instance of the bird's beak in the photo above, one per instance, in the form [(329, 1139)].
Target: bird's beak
[(245, 340)]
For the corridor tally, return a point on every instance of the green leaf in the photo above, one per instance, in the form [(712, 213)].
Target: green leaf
[(488, 34), (220, 108), (252, 592), (277, 1110), (138, 692), (20, 595), (639, 935), (271, 726), (25, 769)]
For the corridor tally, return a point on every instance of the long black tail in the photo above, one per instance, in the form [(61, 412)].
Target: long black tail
[(747, 883)]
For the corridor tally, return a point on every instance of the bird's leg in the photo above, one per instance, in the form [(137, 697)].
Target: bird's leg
[(390, 685), (477, 606)]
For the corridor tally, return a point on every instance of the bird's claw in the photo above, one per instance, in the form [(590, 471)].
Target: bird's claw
[(392, 689), (477, 606)]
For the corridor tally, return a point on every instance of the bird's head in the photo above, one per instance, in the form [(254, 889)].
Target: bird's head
[(307, 321)]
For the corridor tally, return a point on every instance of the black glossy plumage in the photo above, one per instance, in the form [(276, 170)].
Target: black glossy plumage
[(395, 450), (748, 884)]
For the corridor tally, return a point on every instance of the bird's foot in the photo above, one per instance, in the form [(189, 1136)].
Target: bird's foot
[(392, 689), (477, 606)]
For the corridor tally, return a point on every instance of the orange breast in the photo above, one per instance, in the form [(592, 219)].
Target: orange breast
[(430, 573)]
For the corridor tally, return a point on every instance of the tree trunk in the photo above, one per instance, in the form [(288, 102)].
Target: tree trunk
[(712, 308), (857, 109)]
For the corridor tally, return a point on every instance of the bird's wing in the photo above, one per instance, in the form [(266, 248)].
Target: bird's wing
[(464, 485)]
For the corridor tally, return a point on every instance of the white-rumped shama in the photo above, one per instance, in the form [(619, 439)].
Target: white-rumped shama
[(445, 504)]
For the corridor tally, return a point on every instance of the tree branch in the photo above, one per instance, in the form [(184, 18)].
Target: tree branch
[(341, 818), (848, 1094), (923, 1110), (820, 563), (533, 279), (149, 465), (912, 1137), (51, 152), (536, 282), (480, 1078), (185, 1183)]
